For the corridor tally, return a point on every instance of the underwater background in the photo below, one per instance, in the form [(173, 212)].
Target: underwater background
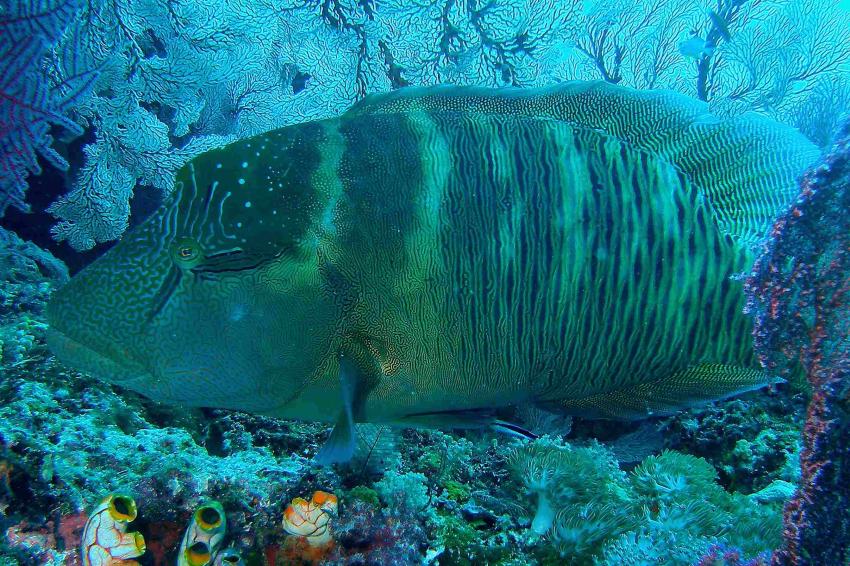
[(103, 101)]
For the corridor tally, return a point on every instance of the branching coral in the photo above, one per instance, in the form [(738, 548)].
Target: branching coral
[(31, 101), (405, 494)]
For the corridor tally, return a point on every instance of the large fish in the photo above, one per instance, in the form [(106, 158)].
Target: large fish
[(435, 253)]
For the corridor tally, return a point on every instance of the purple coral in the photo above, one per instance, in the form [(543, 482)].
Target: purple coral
[(30, 103), (720, 555), (367, 535), (799, 292)]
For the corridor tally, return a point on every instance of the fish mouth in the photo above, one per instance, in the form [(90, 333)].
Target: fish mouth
[(125, 372), (84, 358)]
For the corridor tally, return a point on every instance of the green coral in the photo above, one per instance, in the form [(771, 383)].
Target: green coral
[(593, 511), (456, 535), (404, 493), (365, 494), (446, 456), (456, 491), (462, 543)]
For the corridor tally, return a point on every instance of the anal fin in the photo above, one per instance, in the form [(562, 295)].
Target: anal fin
[(696, 385)]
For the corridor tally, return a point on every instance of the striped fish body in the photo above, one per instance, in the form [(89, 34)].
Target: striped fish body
[(507, 258), (464, 249)]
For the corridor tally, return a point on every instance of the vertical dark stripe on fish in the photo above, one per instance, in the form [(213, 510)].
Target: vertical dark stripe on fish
[(164, 293), (381, 150)]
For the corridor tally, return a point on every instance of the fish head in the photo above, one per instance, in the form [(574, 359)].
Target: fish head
[(216, 300)]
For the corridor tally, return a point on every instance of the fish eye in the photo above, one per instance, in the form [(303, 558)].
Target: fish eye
[(186, 252)]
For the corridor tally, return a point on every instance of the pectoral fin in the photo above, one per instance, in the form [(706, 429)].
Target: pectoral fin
[(339, 447), (693, 386), (362, 360)]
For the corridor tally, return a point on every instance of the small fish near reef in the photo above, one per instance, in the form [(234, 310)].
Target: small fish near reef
[(696, 47), (436, 253)]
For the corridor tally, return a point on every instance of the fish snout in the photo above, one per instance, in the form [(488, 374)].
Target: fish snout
[(85, 332)]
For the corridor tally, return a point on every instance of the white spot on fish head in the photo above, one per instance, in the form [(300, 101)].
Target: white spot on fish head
[(328, 216), (244, 165), (247, 204), (238, 312), (241, 181)]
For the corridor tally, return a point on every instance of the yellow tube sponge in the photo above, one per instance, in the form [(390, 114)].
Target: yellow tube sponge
[(105, 540), (203, 535)]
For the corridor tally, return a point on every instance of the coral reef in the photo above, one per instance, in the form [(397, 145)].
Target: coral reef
[(669, 507), (799, 292), (752, 441), (29, 275)]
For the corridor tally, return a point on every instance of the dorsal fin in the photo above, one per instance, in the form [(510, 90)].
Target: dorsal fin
[(746, 167)]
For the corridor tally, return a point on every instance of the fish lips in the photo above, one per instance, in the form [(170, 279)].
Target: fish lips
[(77, 355)]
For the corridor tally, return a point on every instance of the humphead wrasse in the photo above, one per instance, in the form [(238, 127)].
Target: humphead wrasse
[(435, 253)]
